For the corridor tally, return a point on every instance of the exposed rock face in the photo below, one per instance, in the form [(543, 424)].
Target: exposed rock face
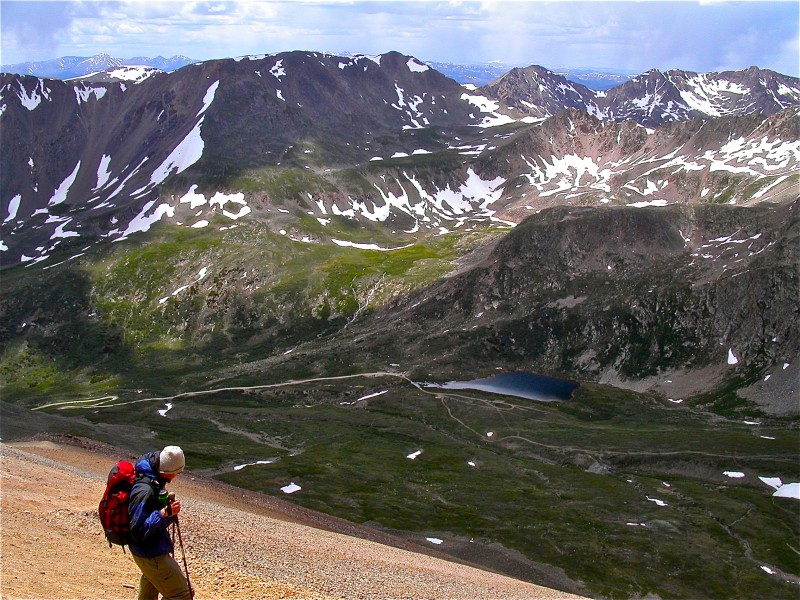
[(574, 158), (541, 93), (652, 98), (634, 292)]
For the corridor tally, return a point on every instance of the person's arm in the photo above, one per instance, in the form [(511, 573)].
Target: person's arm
[(145, 521), (172, 510)]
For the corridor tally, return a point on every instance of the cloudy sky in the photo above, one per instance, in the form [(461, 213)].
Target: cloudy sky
[(710, 35)]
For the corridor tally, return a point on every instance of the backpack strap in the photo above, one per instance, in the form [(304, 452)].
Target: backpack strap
[(151, 481)]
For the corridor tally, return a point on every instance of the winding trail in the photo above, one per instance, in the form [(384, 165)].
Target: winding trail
[(106, 401), (112, 401)]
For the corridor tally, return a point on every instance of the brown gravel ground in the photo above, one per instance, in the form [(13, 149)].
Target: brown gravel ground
[(238, 544)]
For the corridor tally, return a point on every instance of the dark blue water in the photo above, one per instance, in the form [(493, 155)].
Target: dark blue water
[(520, 384)]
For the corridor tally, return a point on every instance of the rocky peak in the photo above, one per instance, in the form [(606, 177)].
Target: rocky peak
[(101, 62), (538, 92), (652, 98)]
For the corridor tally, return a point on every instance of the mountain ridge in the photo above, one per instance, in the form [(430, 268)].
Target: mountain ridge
[(349, 123), (70, 67), (652, 98)]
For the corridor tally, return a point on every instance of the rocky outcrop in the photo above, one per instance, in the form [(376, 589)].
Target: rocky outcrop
[(636, 292)]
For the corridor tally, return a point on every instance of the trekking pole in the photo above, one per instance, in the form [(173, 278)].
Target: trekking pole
[(183, 554)]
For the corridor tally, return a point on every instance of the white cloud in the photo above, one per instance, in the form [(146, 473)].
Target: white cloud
[(694, 35)]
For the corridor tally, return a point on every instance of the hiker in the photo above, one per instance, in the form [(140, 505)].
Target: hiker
[(151, 545)]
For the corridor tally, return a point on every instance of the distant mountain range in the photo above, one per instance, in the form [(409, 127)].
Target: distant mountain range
[(482, 74), (69, 67)]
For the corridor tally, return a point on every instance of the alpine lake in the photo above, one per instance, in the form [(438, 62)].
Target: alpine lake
[(520, 384)]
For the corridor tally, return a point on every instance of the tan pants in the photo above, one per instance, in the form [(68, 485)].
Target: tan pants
[(161, 575)]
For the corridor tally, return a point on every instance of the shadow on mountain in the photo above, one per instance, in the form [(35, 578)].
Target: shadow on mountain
[(48, 324)]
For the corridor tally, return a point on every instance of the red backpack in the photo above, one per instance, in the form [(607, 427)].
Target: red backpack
[(113, 509)]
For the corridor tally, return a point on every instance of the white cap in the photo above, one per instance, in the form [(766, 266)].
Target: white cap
[(171, 460)]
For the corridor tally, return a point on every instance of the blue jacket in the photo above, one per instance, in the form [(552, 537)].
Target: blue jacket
[(149, 530)]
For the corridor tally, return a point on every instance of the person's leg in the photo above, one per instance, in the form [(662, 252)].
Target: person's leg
[(171, 582), (164, 573), (147, 590)]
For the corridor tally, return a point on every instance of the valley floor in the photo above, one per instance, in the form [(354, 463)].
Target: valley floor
[(238, 546)]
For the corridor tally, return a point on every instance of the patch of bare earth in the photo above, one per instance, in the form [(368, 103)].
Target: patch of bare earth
[(53, 547)]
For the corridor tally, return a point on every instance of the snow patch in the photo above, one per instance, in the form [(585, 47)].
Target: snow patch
[(61, 193), (774, 482), (414, 455), (83, 94), (221, 200), (34, 98), (258, 462), (416, 67), (136, 74), (372, 395), (183, 156), (209, 97), (60, 233), (200, 276), (788, 490), (485, 105), (13, 207), (733, 474), (103, 174), (193, 198), (291, 488), (278, 71), (368, 246), (732, 360), (648, 203), (143, 221)]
